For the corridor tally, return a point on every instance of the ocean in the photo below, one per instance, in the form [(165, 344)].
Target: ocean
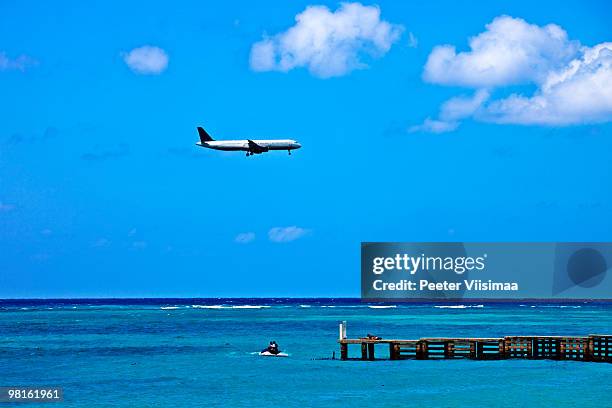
[(203, 352)]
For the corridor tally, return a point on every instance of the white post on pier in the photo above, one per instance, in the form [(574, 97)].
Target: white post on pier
[(343, 330)]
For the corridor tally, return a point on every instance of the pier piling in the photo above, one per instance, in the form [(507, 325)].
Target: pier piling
[(371, 351)]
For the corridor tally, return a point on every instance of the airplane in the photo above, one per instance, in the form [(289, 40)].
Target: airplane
[(250, 146)]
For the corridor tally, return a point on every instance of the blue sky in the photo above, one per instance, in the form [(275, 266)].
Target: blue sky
[(103, 192)]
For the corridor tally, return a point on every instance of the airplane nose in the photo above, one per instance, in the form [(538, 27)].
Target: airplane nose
[(297, 145)]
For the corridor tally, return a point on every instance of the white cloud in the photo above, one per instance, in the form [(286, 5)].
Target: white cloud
[(286, 234), (573, 82), (148, 60), (461, 107), (413, 42), (263, 56), (510, 51), (245, 237), (451, 112), (327, 43), (20, 63), (579, 93), (6, 207), (435, 126)]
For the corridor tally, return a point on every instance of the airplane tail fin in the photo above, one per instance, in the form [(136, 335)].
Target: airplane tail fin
[(204, 136)]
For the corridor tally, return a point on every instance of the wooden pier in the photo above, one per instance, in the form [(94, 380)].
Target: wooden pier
[(594, 347)]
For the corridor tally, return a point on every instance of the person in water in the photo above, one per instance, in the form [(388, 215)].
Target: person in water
[(272, 348)]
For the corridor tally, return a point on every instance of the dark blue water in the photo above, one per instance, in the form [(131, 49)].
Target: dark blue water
[(195, 352)]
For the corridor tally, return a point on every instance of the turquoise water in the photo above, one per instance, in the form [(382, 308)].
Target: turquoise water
[(172, 353)]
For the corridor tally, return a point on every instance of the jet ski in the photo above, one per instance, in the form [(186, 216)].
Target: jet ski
[(268, 354)]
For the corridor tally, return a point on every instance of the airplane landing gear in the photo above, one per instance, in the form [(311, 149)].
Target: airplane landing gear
[(289, 150)]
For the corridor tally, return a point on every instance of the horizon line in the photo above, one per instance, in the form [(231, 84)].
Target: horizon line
[(415, 300)]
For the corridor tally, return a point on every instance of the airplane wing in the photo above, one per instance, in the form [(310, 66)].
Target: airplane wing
[(255, 148)]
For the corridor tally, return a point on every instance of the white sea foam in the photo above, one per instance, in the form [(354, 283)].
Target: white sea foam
[(382, 307), (169, 307), (304, 305), (250, 307), (228, 307), (458, 306), (208, 306)]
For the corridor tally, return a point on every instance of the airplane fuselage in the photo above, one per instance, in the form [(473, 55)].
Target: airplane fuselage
[(243, 145)]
